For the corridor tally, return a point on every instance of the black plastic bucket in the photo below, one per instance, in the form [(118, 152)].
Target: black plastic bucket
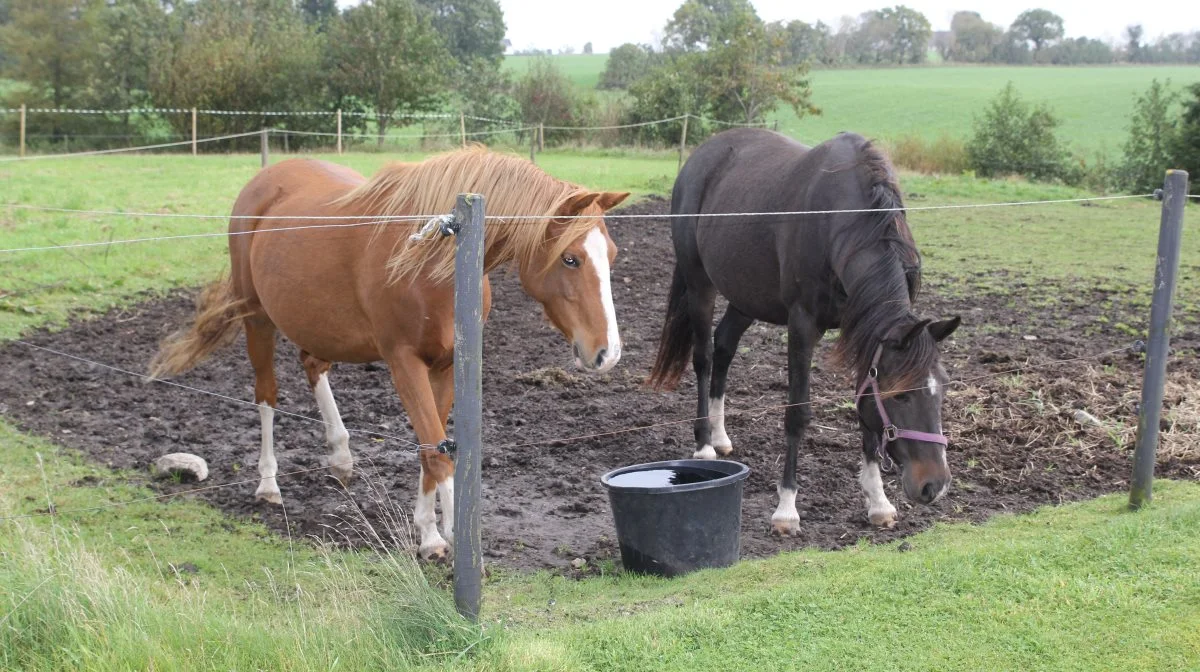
[(678, 516)]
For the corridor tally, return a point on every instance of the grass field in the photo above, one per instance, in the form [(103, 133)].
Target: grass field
[(1093, 102), (1083, 586)]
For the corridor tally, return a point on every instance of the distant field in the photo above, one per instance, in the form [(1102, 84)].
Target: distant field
[(1093, 102)]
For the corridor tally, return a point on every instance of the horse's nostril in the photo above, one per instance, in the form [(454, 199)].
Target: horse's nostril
[(928, 492), (600, 357)]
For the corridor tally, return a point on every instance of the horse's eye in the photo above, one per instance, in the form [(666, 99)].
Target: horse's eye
[(902, 397), (571, 261)]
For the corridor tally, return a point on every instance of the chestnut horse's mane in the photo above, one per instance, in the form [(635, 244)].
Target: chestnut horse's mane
[(512, 186)]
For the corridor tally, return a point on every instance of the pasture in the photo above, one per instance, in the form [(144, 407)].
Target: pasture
[(1093, 102), (1036, 285)]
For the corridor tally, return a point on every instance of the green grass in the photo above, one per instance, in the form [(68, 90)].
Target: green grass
[(1094, 102), (1086, 586), (582, 69)]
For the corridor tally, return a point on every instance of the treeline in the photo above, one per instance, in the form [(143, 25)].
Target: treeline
[(382, 59), (901, 35)]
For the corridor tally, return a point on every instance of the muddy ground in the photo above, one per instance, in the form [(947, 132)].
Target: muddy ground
[(1015, 442)]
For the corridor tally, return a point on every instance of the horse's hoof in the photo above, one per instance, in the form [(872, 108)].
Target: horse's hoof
[(270, 497), (344, 475), (785, 528), (705, 453), (438, 552), (884, 518), (723, 451)]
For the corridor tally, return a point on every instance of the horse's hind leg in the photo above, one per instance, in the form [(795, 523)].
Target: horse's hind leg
[(701, 300), (260, 345), (341, 463), (725, 343), (442, 381)]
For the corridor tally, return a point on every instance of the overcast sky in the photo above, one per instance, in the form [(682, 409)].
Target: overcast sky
[(553, 24)]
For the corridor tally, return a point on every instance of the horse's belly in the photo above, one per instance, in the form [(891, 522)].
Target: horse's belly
[(744, 271)]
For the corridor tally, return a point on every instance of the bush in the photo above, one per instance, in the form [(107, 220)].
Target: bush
[(1152, 139), (547, 96), (1014, 138), (668, 90), (946, 155)]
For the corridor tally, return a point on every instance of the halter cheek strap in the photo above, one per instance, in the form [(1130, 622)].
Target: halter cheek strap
[(890, 432)]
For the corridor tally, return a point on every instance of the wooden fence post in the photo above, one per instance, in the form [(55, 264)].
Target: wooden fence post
[(264, 147), (541, 135), (468, 402), (532, 144), (339, 130), (21, 151), (193, 131), (1175, 196), (682, 142), (462, 127)]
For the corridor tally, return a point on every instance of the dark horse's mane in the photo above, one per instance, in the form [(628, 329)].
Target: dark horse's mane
[(873, 312)]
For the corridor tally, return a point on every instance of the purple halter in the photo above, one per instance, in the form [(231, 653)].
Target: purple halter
[(890, 432)]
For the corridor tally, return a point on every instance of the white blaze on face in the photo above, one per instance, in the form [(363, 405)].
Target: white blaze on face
[(932, 385), (596, 247)]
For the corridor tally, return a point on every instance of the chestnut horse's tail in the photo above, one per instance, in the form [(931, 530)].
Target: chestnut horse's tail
[(675, 344), (218, 320)]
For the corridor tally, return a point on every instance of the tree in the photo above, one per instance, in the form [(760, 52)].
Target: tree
[(319, 12), (470, 29), (47, 45), (1153, 139), (1015, 138), (547, 96), (587, 48), (700, 24), (1039, 26), (910, 33), (975, 40), (1187, 140), (388, 54), (747, 77), (625, 64), (125, 38), (801, 41), (1133, 43)]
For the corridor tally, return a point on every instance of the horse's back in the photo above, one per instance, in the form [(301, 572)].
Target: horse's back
[(288, 186)]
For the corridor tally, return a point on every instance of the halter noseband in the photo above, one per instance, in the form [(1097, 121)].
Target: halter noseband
[(890, 432)]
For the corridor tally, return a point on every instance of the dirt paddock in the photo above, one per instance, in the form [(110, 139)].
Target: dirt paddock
[(1015, 440)]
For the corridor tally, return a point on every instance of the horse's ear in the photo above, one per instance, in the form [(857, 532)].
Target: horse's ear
[(941, 330), (913, 332), (611, 199), (575, 204)]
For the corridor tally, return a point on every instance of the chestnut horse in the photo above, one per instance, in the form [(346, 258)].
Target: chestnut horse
[(369, 293), (857, 271)]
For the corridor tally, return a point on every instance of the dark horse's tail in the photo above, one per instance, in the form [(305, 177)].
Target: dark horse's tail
[(675, 344)]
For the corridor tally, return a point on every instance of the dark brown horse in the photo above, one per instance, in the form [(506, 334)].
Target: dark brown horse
[(854, 271), (363, 294)]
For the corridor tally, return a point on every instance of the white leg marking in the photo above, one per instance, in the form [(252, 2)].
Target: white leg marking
[(445, 491), (879, 510), (596, 246), (268, 489), (786, 519), (425, 517), (341, 463), (705, 453), (716, 414)]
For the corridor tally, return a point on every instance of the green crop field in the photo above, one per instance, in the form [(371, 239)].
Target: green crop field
[(1085, 586), (1093, 102)]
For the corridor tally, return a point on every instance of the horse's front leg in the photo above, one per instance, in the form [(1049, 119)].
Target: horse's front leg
[(879, 510), (803, 336), (725, 343), (411, 376)]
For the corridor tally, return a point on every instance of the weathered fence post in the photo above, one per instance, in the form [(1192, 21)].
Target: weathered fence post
[(1175, 195), (682, 142), (339, 130), (533, 145), (541, 137), (193, 131), (468, 402), (263, 145), (21, 150), (462, 127)]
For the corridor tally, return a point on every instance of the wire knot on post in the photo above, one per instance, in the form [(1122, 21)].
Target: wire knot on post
[(444, 224), (448, 447)]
